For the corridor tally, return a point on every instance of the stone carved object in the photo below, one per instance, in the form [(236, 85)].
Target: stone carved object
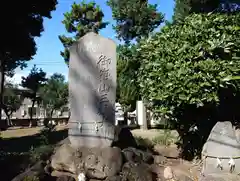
[(92, 91), (221, 152)]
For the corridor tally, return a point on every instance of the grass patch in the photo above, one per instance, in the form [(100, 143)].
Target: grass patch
[(165, 137)]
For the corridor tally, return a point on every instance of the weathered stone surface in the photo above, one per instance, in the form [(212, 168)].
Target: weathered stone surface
[(65, 178), (35, 171), (168, 152), (105, 164), (159, 159), (136, 172), (114, 178), (136, 155), (63, 159), (168, 173), (92, 91), (58, 174), (97, 163), (222, 142), (220, 177)]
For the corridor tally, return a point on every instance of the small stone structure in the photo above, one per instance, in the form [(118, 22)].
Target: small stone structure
[(221, 153)]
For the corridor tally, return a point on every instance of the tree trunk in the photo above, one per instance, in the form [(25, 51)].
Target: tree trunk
[(8, 119), (1, 86), (51, 113), (31, 114)]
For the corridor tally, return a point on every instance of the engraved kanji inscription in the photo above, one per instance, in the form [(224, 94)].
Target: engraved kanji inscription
[(103, 62), (104, 88)]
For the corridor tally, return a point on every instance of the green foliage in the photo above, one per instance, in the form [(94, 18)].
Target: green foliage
[(54, 93), (25, 23), (33, 82), (40, 153), (134, 18), (127, 67), (83, 18), (183, 8), (11, 101), (189, 64), (31, 178)]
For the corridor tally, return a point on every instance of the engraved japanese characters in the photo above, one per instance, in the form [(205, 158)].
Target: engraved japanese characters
[(92, 89)]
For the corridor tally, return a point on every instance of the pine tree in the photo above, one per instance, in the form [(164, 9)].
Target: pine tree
[(83, 18)]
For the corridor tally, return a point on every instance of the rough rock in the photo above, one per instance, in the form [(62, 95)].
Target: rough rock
[(63, 159), (65, 178), (168, 173), (222, 142), (220, 177), (136, 172), (59, 174), (103, 163), (95, 162), (114, 178), (35, 171), (168, 152), (136, 155), (159, 159)]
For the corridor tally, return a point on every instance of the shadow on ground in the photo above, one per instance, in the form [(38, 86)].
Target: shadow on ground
[(16, 154)]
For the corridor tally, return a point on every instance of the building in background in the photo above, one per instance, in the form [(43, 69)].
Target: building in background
[(38, 111)]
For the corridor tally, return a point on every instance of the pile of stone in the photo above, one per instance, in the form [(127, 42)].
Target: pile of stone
[(124, 161)]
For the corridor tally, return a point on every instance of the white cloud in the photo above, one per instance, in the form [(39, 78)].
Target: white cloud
[(17, 78)]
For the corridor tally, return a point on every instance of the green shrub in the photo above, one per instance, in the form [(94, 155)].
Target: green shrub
[(188, 75), (31, 178), (41, 153), (190, 63)]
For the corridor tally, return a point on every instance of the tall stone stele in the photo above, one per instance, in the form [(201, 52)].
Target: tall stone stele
[(92, 91)]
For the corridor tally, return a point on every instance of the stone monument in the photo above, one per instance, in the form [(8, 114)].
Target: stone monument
[(221, 152), (92, 91)]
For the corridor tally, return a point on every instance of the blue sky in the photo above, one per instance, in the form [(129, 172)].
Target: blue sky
[(48, 54)]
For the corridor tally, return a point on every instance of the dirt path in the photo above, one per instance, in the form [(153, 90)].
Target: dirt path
[(150, 133)]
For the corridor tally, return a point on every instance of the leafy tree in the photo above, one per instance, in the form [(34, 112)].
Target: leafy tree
[(17, 38), (185, 7), (11, 101), (34, 81), (54, 93), (189, 72), (127, 66), (134, 18), (83, 18)]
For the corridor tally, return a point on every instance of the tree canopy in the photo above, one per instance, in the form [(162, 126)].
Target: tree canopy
[(127, 69), (11, 100), (33, 82), (54, 93), (189, 64), (25, 23), (183, 8), (134, 18), (83, 18), (189, 75)]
